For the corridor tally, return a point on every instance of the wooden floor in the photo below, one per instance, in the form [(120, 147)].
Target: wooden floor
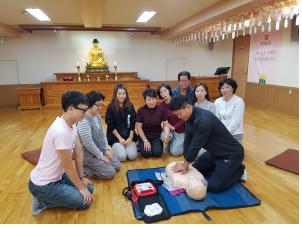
[(267, 133)]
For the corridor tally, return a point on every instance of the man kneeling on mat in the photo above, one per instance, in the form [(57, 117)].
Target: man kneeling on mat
[(224, 155)]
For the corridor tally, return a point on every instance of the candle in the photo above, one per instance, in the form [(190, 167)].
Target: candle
[(78, 64), (114, 63)]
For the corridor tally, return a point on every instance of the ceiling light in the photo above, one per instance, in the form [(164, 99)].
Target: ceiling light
[(39, 14), (145, 16)]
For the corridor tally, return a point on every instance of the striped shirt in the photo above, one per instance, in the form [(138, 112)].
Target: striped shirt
[(92, 136)]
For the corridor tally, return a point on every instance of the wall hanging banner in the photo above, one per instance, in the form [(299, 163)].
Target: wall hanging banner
[(264, 58)]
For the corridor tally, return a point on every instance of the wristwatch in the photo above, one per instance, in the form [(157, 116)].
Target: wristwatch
[(146, 140)]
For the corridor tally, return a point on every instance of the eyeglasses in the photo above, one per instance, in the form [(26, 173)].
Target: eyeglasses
[(78, 108), (99, 104)]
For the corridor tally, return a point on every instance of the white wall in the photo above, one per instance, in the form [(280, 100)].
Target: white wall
[(289, 61), (40, 54)]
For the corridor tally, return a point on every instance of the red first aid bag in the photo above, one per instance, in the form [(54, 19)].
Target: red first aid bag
[(147, 203)]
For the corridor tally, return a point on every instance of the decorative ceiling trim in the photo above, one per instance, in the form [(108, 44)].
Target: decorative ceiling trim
[(32, 27), (9, 31)]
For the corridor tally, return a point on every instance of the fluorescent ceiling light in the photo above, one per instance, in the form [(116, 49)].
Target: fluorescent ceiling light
[(39, 14), (145, 16)]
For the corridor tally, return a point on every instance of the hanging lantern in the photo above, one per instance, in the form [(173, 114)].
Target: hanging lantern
[(277, 25), (286, 22), (247, 23), (269, 19), (297, 19), (269, 27)]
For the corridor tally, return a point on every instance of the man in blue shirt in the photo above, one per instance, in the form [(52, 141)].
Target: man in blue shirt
[(184, 80)]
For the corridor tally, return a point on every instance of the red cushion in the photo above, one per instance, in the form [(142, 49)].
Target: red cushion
[(287, 160), (32, 156)]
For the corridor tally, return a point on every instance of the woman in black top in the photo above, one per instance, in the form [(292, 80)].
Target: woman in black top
[(120, 119)]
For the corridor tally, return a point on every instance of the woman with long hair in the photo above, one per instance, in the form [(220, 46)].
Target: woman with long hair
[(201, 98), (120, 119)]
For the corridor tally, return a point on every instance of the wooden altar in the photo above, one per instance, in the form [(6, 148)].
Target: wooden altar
[(97, 76), (105, 83), (53, 90)]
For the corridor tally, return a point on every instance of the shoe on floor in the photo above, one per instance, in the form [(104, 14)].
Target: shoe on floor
[(244, 175)]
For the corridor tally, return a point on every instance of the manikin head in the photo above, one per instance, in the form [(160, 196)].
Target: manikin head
[(192, 181)]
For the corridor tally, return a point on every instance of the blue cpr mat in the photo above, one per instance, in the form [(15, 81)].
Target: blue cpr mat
[(236, 196)]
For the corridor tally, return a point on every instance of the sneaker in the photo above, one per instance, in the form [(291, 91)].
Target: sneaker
[(35, 206), (244, 175)]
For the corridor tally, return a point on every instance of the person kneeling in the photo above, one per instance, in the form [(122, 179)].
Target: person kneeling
[(55, 182), (224, 154), (150, 117), (99, 162)]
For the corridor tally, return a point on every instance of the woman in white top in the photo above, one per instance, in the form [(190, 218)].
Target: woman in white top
[(201, 98), (230, 108)]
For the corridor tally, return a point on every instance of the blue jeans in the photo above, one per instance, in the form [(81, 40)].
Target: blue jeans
[(62, 193)]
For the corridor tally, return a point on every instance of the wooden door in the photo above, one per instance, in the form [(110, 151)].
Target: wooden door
[(241, 50)]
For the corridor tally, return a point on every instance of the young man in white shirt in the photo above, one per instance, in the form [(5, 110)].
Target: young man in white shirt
[(55, 182)]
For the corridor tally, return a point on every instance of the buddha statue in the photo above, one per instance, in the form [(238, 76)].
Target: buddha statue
[(96, 55)]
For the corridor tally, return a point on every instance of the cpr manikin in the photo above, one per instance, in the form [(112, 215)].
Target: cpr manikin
[(192, 181)]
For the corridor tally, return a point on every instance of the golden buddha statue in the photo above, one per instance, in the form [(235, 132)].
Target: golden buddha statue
[(96, 55)]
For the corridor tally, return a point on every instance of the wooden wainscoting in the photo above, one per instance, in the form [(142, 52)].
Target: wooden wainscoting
[(155, 84), (273, 97)]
